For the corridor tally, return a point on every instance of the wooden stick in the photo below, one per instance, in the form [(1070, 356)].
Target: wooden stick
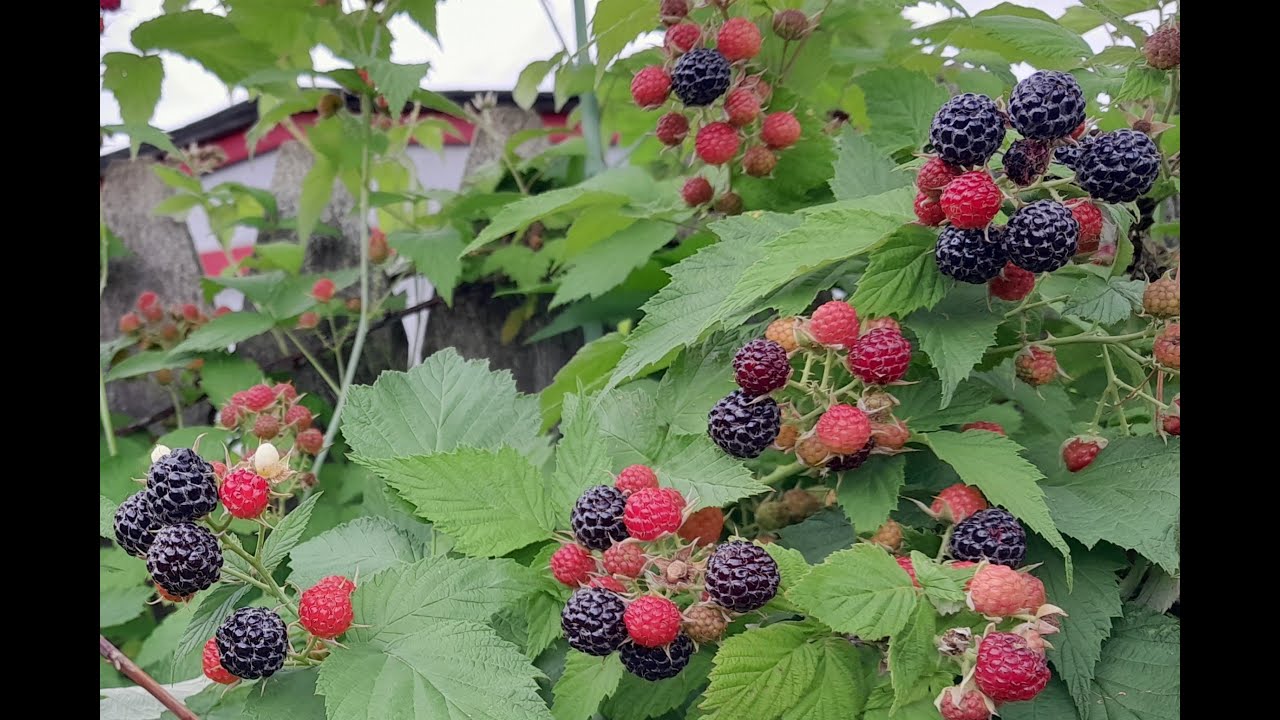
[(131, 670)]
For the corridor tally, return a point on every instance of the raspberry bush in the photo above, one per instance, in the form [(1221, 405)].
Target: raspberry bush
[(879, 415)]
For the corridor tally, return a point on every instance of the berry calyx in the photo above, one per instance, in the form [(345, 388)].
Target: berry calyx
[(703, 527), (653, 512), (1080, 451), (323, 290), (972, 200), (672, 129), (1090, 219), (636, 477), (717, 143), (1036, 365), (211, 663), (835, 324), (572, 565), (650, 87), (245, 494), (758, 161), (682, 37), (1008, 670), (1012, 284), (761, 366), (742, 107), (958, 502), (843, 429), (891, 436), (983, 425), (880, 357), (697, 191), (739, 39), (780, 130), (652, 620), (1163, 298), (626, 559), (325, 612), (1168, 346)]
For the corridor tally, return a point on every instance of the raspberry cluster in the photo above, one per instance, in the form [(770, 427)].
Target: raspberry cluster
[(275, 413), (155, 327), (649, 578), (714, 89)]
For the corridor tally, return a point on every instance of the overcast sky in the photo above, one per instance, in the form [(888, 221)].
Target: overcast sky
[(515, 33)]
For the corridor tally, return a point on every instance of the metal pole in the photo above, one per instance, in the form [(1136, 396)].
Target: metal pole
[(587, 102)]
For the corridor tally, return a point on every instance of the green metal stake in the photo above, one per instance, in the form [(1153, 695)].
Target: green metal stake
[(587, 102)]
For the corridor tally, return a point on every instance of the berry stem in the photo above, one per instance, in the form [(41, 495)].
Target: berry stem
[(245, 578), (946, 538), (1086, 337), (826, 370), (270, 584), (104, 412), (782, 76), (324, 375), (782, 473), (121, 662), (808, 366), (177, 405), (1039, 303)]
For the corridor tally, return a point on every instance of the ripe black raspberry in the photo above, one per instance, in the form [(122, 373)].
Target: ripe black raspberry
[(1042, 236), (967, 130), (744, 425), (993, 535), (852, 461), (181, 487), (184, 559), (1119, 166), (1069, 155), (761, 366), (592, 621), (1025, 161), (741, 576), (597, 517), (972, 256), (700, 76), (1047, 105), (658, 663), (135, 526), (252, 643)]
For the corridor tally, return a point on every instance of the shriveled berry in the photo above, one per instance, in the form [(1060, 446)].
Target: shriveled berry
[(310, 441), (786, 437), (812, 452), (266, 427), (891, 435), (1163, 49), (705, 623), (1026, 161), (791, 24), (673, 11), (886, 323), (703, 527), (888, 535), (729, 203)]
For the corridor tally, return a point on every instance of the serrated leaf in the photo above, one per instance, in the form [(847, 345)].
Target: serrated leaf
[(691, 386), (287, 695), (868, 494), (147, 361), (395, 82), (1105, 301), (519, 214), (215, 605), (1160, 590), (819, 535), (791, 565), (587, 680), (588, 369), (434, 253), (616, 23), (364, 547), (918, 404), (863, 169), (211, 40), (944, 586), (1129, 496), (222, 331), (860, 591), (223, 375), (489, 502), (526, 90), (288, 532), (1053, 703), (698, 468), (902, 275), (604, 265), (159, 652), (106, 517), (913, 654), (900, 104), (581, 461), (992, 463), (317, 188), (444, 403), (955, 335), (135, 81), (423, 13), (1139, 673), (1042, 43), (122, 596), (638, 699), (841, 684)]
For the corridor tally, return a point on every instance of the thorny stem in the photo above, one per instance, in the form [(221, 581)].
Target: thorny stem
[(256, 564), (1112, 382), (324, 375), (1173, 97), (245, 578), (826, 370), (783, 472), (1084, 337), (1038, 303), (121, 662), (808, 365)]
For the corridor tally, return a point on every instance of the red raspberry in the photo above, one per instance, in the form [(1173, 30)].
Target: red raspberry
[(758, 85), (761, 366), (109, 4), (636, 477), (934, 176), (608, 583), (844, 429), (887, 323), (239, 399), (308, 320), (891, 436), (1173, 420), (717, 143), (266, 427), (325, 612), (780, 130), (673, 128), (147, 300), (1090, 219), (572, 564), (742, 107), (880, 357), (219, 469), (379, 251), (323, 290), (1168, 346), (928, 210), (625, 558), (703, 527), (652, 512), (739, 39), (310, 441), (155, 313), (1080, 451), (650, 87), (1075, 134), (191, 313), (170, 596), (998, 591), (1012, 284), (682, 37), (257, 398), (169, 331), (673, 11), (906, 564), (972, 200), (1034, 590), (1008, 670), (697, 191), (675, 497), (956, 704), (652, 621), (130, 323), (835, 324), (1036, 365), (984, 425), (758, 161), (337, 582), (211, 661), (957, 502), (299, 417), (285, 390), (245, 494)]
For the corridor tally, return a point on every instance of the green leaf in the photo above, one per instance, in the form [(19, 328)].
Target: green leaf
[(944, 586), (1105, 301), (1129, 496), (317, 188), (604, 265), (956, 334), (588, 369), (572, 80), (791, 565), (225, 330), (287, 695), (215, 605), (159, 652), (106, 518), (1139, 673), (860, 591), (223, 375), (992, 463), (1054, 703), (863, 169), (395, 82), (1122, 55), (211, 40), (526, 90), (147, 361), (444, 403), (616, 23), (287, 256), (175, 205), (691, 386), (581, 459), (638, 699), (287, 533), (699, 469), (135, 81), (586, 682), (423, 12), (592, 226), (902, 276), (913, 654), (489, 502), (519, 214), (819, 535), (122, 594), (918, 404), (900, 104), (1041, 43), (869, 494), (365, 546), (434, 253)]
